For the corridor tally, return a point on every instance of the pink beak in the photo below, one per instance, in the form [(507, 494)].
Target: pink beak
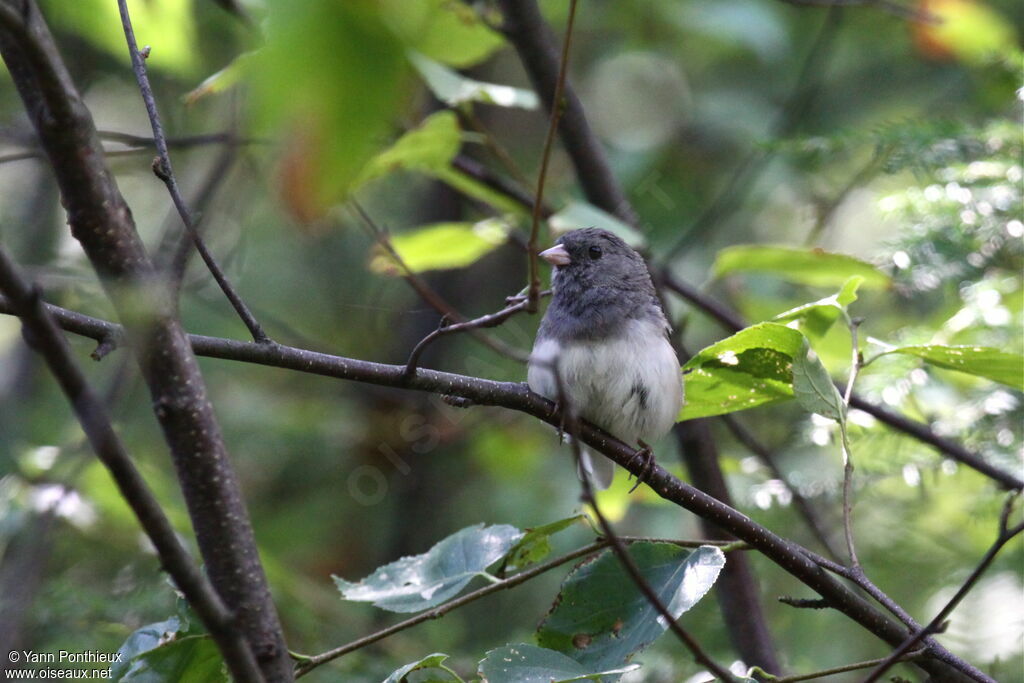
[(556, 255)]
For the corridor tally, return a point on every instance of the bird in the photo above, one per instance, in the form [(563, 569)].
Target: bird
[(607, 335)]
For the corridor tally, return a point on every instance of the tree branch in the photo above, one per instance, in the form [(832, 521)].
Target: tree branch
[(165, 172), (101, 221), (1005, 535), (516, 396), (46, 338)]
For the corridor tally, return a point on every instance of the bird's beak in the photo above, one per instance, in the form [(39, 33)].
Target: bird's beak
[(556, 255)]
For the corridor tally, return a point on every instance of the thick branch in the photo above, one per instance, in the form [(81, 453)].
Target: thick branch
[(517, 396), (102, 222), (46, 337)]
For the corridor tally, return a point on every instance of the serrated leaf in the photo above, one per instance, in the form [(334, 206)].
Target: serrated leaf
[(525, 663), (580, 214), (813, 386), (752, 367), (450, 32), (980, 361), (536, 543), (601, 620), (419, 582), (429, 147), (804, 266), (454, 89), (441, 246), (428, 662)]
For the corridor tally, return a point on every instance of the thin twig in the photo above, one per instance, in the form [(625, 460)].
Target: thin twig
[(808, 84), (45, 337), (163, 170), (910, 656), (533, 296), (307, 664), (855, 365), (484, 321), (618, 547), (437, 302), (1005, 535), (802, 505)]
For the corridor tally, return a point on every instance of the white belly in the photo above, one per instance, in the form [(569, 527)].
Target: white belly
[(629, 386)]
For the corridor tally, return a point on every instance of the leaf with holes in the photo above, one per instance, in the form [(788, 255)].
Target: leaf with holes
[(600, 618)]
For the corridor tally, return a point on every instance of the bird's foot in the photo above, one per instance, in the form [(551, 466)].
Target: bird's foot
[(647, 455)]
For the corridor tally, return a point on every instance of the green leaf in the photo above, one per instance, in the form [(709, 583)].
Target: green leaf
[(452, 33), (816, 318), (429, 147), (170, 650), (803, 266), (813, 387), (428, 662), (536, 543), (222, 80), (330, 101), (453, 88), (751, 368), (580, 214), (441, 246), (471, 187), (524, 663), (419, 582), (981, 361), (168, 27), (601, 620)]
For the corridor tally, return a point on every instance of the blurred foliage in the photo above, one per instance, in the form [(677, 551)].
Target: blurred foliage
[(902, 164)]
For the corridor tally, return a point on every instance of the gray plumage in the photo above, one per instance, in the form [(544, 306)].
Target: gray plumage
[(609, 334)]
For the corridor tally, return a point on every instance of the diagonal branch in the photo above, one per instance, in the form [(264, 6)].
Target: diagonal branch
[(44, 335), (516, 396), (165, 172)]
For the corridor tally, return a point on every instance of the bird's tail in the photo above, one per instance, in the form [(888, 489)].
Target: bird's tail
[(600, 469)]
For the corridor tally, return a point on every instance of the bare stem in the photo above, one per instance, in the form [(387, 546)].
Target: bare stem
[(556, 113), (163, 170)]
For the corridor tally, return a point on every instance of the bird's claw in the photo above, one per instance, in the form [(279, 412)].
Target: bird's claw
[(647, 455)]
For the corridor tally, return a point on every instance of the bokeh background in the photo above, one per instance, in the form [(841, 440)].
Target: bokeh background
[(727, 121)]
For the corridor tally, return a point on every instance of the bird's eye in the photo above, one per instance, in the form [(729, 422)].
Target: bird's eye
[(595, 253)]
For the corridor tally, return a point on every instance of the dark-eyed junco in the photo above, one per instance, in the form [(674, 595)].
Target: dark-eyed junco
[(606, 328)]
